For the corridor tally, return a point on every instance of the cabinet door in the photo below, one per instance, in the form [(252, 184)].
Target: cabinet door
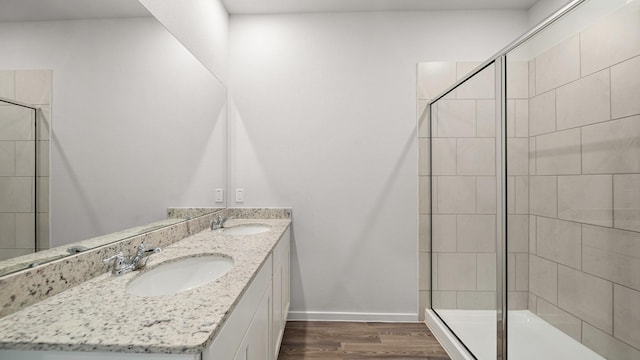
[(281, 256), (277, 325), (255, 345), (232, 342), (286, 281)]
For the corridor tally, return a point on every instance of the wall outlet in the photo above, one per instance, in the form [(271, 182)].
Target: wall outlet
[(219, 195), (239, 195)]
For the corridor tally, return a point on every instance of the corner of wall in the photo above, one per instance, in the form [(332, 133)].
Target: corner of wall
[(202, 27)]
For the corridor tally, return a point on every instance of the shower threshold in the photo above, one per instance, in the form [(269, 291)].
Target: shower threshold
[(529, 337)]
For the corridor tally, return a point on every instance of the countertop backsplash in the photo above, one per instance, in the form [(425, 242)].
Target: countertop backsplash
[(29, 286)]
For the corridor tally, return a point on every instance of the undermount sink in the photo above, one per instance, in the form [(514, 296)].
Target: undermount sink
[(246, 229), (182, 275)]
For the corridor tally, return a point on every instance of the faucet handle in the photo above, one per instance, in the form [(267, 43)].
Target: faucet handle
[(118, 263), (215, 223), (119, 258), (142, 256), (142, 249)]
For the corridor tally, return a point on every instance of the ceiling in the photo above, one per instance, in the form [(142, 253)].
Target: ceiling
[(50, 10), (305, 6), (39, 10)]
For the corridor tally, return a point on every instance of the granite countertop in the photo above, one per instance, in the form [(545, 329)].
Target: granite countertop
[(99, 315)]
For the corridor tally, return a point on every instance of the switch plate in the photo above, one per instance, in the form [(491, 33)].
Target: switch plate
[(239, 195), (219, 195)]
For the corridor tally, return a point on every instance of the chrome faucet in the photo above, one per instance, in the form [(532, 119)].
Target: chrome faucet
[(218, 223), (124, 264)]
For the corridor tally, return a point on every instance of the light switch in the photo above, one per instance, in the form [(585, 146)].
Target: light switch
[(219, 195), (239, 195)]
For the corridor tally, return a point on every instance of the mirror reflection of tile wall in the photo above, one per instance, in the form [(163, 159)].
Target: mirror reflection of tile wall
[(18, 156)]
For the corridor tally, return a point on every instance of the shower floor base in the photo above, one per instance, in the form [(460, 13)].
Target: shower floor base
[(530, 337)]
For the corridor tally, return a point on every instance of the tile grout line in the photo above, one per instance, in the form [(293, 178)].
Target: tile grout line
[(580, 54), (555, 110), (613, 201), (613, 309), (613, 190)]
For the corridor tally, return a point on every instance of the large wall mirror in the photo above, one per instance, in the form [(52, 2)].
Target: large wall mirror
[(128, 124)]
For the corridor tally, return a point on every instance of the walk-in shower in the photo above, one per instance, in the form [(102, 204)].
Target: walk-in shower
[(533, 193)]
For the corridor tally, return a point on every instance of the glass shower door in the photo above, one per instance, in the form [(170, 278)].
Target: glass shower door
[(17, 180), (464, 210)]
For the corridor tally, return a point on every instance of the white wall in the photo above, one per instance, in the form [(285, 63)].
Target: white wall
[(138, 122), (201, 25), (324, 120)]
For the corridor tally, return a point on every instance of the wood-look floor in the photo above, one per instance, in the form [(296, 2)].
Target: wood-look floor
[(351, 340)]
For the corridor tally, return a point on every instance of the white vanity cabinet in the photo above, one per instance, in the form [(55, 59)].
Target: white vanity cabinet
[(246, 331), (254, 329), (256, 341)]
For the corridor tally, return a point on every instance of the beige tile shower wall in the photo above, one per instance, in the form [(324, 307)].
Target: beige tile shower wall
[(584, 195), (464, 198), (17, 167)]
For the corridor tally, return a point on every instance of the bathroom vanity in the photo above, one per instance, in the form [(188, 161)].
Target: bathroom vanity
[(240, 315)]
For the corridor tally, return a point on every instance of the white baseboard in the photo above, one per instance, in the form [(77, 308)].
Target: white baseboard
[(351, 316), (448, 341)]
